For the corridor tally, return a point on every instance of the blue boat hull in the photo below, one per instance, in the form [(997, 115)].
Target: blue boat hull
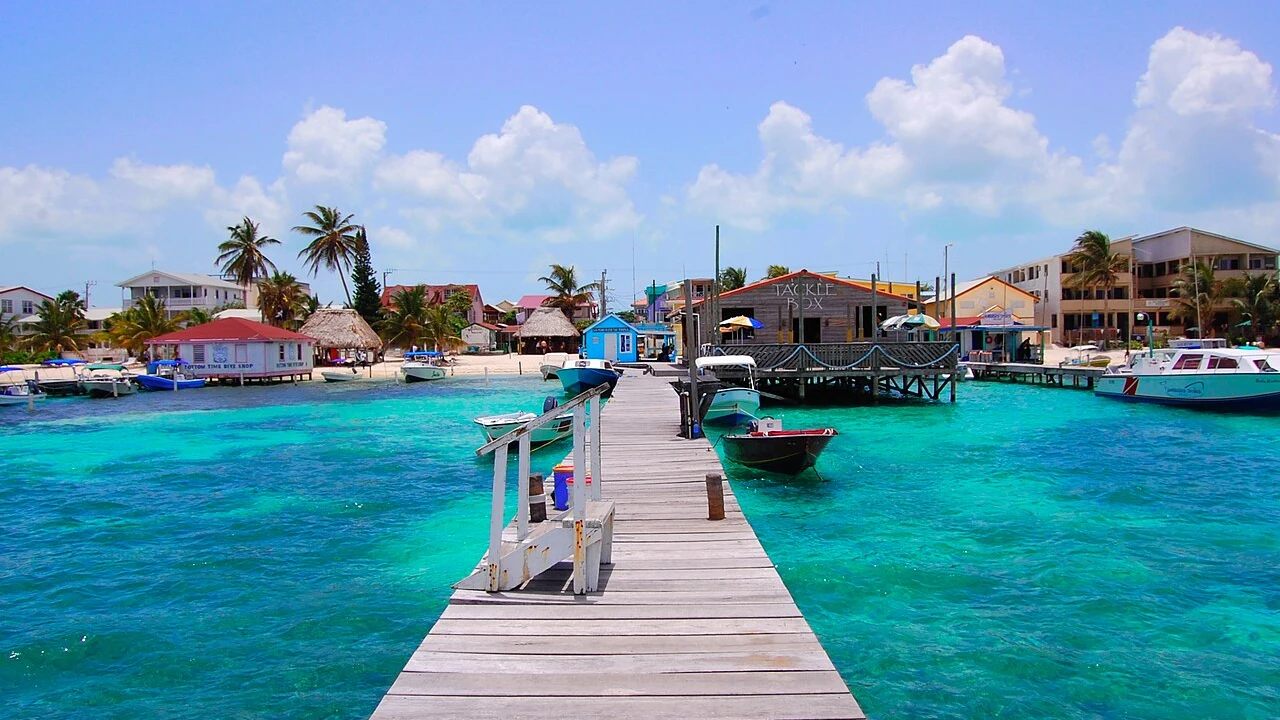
[(579, 380), (156, 382)]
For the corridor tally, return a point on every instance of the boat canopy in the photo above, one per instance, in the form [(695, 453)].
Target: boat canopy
[(165, 363), (105, 366), (62, 362), (10, 368), (725, 361), (416, 354)]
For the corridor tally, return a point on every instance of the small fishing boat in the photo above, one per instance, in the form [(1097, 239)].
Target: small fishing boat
[(1212, 377), (578, 376), (551, 364), (102, 380), (495, 426), (768, 447), (338, 376), (422, 365), (169, 375), (732, 405), (15, 390)]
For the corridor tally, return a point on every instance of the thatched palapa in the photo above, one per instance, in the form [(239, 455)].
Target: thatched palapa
[(550, 324), (341, 329)]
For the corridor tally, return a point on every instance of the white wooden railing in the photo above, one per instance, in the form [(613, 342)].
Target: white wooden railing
[(581, 405)]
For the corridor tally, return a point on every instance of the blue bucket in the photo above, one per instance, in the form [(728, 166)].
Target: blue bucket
[(561, 475)]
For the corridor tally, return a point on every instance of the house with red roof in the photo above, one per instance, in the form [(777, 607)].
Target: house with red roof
[(527, 304), (439, 294), (239, 349)]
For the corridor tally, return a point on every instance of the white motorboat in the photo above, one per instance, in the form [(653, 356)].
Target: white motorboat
[(422, 365), (551, 364), (1207, 377), (337, 376), (103, 380), (495, 426), (732, 405), (580, 375), (17, 391)]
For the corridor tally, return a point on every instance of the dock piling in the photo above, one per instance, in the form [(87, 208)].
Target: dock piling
[(537, 499), (715, 496)]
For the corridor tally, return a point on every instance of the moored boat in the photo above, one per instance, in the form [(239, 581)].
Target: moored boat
[(768, 447), (1205, 377), (578, 375), (15, 390), (168, 375), (61, 387), (731, 405), (422, 365), (337, 376), (551, 364), (495, 426), (102, 380)]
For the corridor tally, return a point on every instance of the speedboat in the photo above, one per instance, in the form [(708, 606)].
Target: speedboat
[(17, 392), (337, 376), (60, 387), (107, 380), (732, 405), (495, 426), (578, 376), (1212, 377), (422, 365), (768, 447), (551, 364), (168, 375)]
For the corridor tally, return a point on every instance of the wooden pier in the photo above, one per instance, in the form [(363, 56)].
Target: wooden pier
[(691, 620), (1065, 376)]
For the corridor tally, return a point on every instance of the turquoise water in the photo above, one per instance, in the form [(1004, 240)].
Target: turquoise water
[(279, 552)]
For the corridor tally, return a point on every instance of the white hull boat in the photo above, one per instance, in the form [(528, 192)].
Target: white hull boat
[(107, 381), (337, 376), (495, 426), (732, 405), (1212, 378), (422, 366), (551, 364)]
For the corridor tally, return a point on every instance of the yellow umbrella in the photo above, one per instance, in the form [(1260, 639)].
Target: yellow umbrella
[(742, 321)]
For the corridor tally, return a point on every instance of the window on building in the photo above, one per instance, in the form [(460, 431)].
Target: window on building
[(1120, 293), (1190, 361), (6, 307), (197, 354), (1161, 269), (1053, 320), (28, 307), (299, 347), (624, 343), (242, 353), (1229, 263), (281, 353), (1162, 292)]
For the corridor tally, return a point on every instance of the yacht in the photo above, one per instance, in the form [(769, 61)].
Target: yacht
[(1208, 377)]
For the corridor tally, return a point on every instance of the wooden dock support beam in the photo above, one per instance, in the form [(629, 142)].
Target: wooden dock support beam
[(715, 496)]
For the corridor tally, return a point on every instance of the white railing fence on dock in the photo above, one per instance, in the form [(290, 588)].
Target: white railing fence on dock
[(587, 403)]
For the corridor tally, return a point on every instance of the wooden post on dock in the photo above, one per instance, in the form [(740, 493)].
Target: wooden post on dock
[(956, 340), (875, 340), (691, 356), (537, 499), (715, 496)]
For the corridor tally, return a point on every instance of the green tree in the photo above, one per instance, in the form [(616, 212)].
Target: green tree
[(241, 256), (732, 278), (457, 304), (333, 242), (777, 271), (439, 329), (308, 307), (8, 334), (568, 294), (1196, 292), (148, 318), (628, 316), (280, 297), (195, 316), (58, 323), (1255, 297), (367, 299), (1098, 265), (403, 323)]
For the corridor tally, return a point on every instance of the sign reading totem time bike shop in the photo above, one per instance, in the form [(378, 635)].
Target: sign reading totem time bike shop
[(809, 295)]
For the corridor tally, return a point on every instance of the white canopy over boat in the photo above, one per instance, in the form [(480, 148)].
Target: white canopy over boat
[(725, 361)]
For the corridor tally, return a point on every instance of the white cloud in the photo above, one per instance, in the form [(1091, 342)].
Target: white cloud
[(952, 142), (327, 147), (43, 199), (268, 207), (535, 177), (160, 182)]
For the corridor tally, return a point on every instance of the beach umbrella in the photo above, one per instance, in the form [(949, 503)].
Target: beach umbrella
[(742, 321)]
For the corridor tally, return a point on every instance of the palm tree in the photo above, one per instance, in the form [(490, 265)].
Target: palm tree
[(280, 297), (333, 242), (307, 307), (1197, 291), (241, 256), (195, 316), (438, 329), (1099, 267), (569, 295), (777, 271), (732, 278), (1255, 299), (147, 319), (58, 323), (8, 334), (405, 321)]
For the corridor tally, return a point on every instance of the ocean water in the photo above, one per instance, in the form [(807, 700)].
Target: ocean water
[(280, 552)]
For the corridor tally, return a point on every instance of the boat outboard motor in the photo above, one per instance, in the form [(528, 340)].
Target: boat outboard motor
[(549, 404)]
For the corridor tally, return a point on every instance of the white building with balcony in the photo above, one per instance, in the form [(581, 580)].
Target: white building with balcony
[(181, 291)]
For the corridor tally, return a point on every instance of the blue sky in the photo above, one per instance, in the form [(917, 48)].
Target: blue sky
[(480, 142)]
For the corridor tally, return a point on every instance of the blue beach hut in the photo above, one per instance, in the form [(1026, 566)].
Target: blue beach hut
[(611, 338)]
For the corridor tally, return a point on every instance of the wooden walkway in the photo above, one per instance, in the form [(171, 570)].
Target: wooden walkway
[(691, 621), (1072, 376)]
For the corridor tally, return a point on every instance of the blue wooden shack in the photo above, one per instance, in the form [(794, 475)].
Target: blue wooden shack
[(611, 338)]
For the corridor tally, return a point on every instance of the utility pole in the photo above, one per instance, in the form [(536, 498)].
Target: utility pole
[(88, 284), (385, 273), (603, 289), (715, 295)]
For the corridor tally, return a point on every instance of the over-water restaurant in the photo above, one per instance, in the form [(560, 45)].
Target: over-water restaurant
[(236, 348), (805, 307)]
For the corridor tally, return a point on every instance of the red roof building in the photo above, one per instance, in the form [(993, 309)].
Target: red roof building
[(237, 348), (438, 294)]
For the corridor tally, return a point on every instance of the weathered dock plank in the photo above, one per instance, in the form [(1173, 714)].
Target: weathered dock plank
[(691, 620)]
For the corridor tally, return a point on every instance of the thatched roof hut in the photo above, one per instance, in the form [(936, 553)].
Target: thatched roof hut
[(550, 324), (342, 329)]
